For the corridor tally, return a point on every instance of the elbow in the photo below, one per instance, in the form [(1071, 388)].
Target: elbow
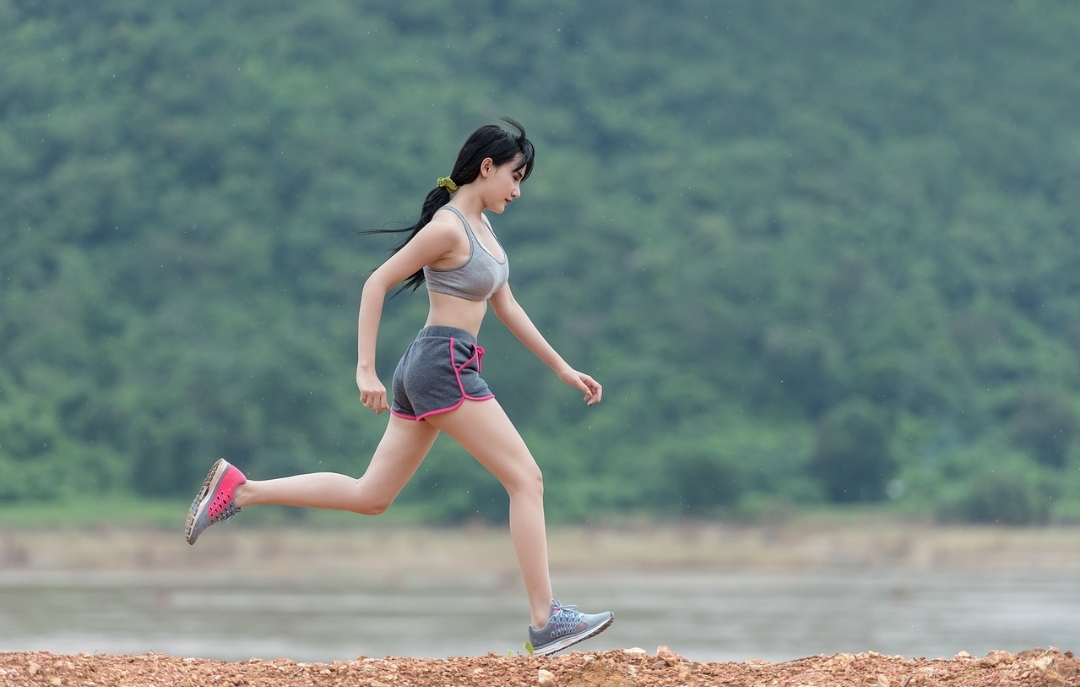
[(370, 284), (374, 287)]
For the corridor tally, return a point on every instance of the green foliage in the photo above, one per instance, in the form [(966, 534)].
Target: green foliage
[(1008, 493), (1046, 424), (93, 510), (693, 477), (743, 217), (853, 457)]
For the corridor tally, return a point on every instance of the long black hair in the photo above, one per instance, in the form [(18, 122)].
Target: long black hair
[(490, 140)]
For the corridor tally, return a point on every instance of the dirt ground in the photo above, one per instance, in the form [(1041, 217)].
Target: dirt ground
[(624, 668)]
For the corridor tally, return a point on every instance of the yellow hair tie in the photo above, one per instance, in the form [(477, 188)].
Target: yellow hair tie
[(448, 184)]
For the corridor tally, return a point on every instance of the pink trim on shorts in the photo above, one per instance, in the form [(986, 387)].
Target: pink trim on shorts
[(478, 356)]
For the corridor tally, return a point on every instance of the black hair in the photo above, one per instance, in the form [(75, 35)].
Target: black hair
[(490, 140)]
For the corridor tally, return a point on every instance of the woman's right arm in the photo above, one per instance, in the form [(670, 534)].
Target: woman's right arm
[(431, 244)]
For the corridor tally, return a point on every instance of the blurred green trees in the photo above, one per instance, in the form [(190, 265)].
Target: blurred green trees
[(815, 253)]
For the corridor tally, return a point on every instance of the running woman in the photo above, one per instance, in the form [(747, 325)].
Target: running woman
[(437, 386)]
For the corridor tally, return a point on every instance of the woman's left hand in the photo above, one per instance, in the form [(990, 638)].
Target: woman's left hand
[(589, 386)]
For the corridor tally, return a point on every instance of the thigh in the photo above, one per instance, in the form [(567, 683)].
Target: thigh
[(403, 447), (484, 430)]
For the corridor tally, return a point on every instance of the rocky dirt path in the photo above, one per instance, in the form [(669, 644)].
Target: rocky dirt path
[(622, 668)]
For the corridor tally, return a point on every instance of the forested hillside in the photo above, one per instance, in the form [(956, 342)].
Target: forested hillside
[(815, 252)]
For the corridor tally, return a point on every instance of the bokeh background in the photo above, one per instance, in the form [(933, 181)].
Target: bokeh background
[(821, 255)]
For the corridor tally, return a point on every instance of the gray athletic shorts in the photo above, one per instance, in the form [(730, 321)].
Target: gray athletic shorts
[(439, 371)]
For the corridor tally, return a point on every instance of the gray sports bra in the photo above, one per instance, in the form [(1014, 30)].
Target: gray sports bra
[(475, 280)]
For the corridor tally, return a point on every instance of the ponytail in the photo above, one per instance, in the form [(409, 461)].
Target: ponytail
[(436, 198), (489, 141)]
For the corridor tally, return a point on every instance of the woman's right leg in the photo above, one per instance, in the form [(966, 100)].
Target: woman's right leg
[(403, 447)]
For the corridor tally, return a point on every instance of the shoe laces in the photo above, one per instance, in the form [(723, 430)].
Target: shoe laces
[(564, 618)]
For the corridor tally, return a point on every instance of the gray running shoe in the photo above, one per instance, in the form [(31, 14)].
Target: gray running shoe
[(566, 627)]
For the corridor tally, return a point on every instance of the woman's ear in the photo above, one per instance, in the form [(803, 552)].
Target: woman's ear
[(487, 167)]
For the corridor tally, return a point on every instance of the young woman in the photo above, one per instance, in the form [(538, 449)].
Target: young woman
[(437, 385)]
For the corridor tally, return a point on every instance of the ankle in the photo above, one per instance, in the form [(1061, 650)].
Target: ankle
[(539, 622), (239, 495)]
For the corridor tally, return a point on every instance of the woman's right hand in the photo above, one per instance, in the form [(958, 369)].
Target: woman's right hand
[(372, 391)]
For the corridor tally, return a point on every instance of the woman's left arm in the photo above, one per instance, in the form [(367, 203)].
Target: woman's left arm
[(511, 314)]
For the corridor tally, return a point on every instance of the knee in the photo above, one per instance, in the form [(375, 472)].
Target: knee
[(530, 481), (369, 501), (372, 506), (377, 508)]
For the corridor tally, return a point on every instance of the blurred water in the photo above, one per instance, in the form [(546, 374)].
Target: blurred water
[(706, 617)]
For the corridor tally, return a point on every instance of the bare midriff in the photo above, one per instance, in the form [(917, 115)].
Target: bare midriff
[(450, 311)]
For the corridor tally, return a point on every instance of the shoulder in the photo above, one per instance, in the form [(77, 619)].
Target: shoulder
[(439, 240), (444, 227)]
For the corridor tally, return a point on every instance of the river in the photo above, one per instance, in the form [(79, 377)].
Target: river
[(705, 617)]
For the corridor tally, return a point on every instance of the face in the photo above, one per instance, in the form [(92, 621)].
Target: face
[(502, 183)]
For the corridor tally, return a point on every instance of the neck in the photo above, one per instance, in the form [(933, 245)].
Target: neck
[(470, 203)]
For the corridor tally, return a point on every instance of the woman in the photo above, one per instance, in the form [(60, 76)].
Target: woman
[(437, 385)]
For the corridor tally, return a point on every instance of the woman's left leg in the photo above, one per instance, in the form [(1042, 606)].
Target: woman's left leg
[(483, 429)]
